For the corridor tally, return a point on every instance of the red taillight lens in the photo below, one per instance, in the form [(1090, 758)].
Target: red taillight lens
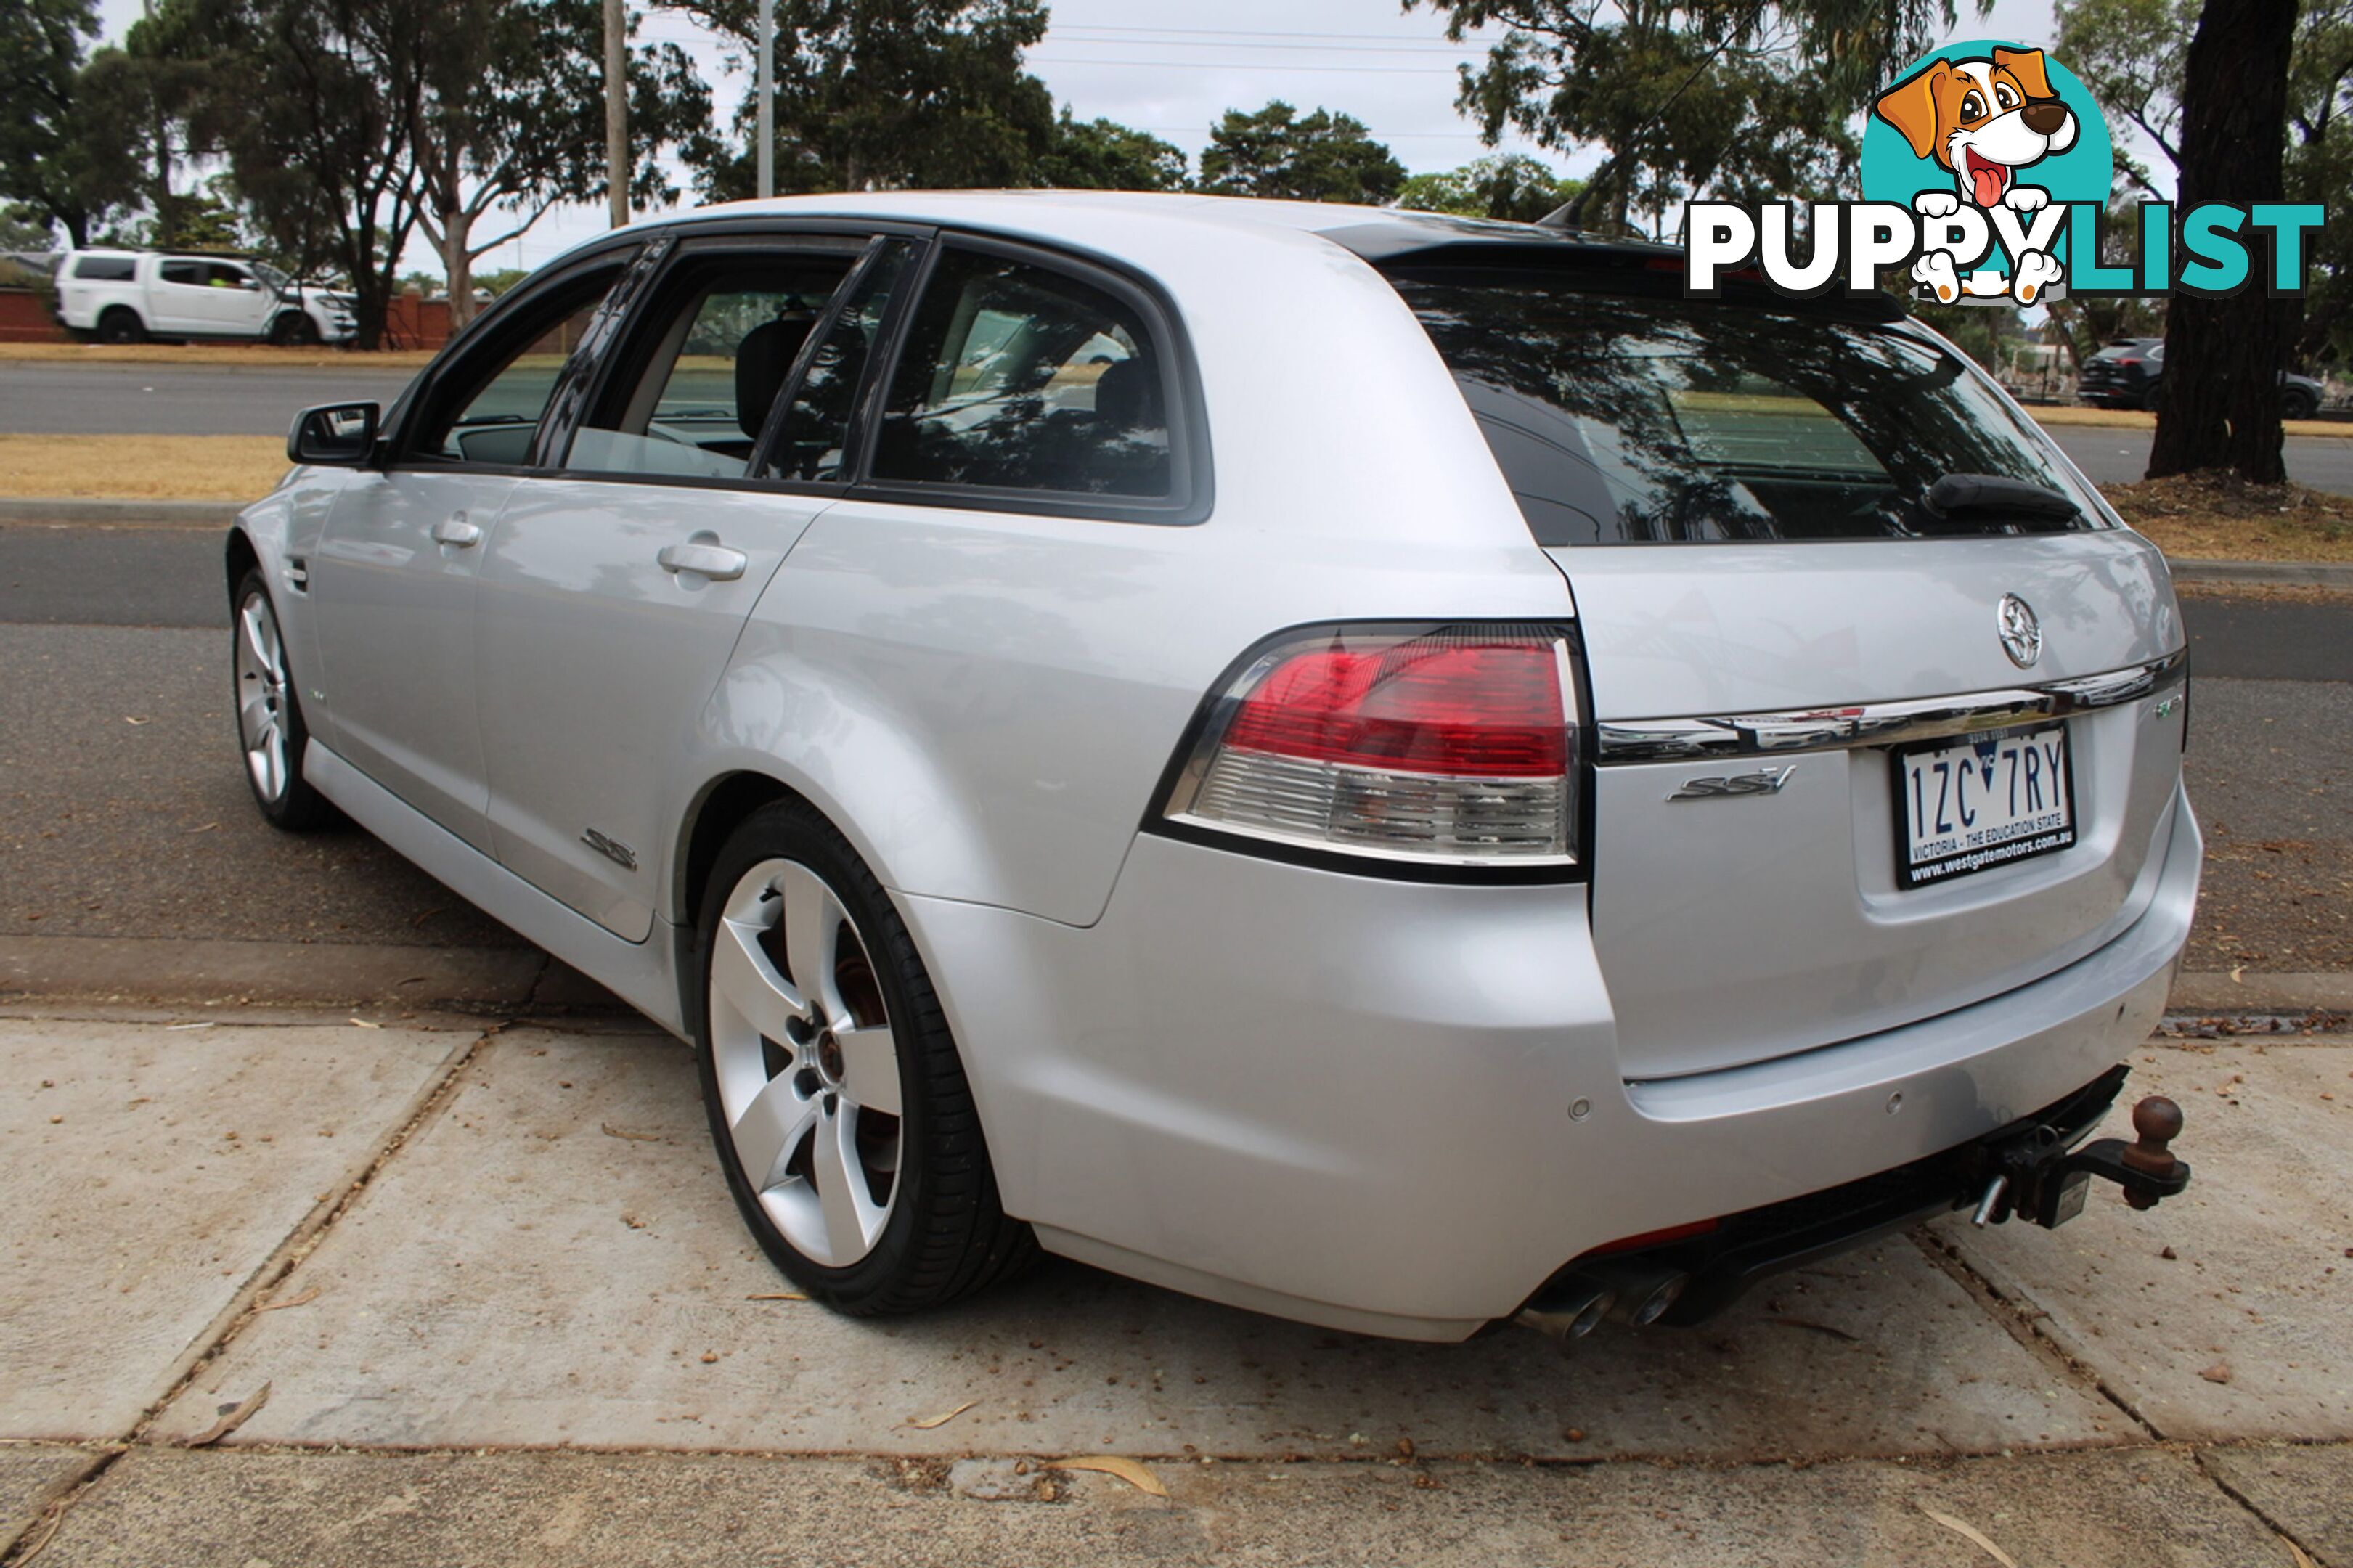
[(1454, 745), (1492, 710)]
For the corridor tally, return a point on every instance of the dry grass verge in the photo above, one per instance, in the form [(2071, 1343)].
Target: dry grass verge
[(2056, 414), (252, 356), (2218, 517), (140, 467)]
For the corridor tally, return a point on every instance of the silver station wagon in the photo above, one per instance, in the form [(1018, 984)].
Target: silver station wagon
[(1386, 769)]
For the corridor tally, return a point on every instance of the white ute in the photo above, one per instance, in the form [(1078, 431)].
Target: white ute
[(129, 296)]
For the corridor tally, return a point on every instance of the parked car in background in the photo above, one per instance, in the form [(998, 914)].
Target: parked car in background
[(2125, 374), (1380, 768), (129, 296)]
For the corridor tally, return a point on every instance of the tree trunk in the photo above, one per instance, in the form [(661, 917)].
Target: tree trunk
[(2218, 405), (458, 263)]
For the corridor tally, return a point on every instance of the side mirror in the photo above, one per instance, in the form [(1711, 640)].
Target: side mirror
[(338, 434)]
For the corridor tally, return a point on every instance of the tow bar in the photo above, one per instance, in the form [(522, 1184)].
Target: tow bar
[(2037, 1180)]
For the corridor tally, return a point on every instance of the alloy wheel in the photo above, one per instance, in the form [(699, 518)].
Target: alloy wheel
[(261, 697), (806, 1067)]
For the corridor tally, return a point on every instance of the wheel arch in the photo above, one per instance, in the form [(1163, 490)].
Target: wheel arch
[(239, 557), (737, 787), (720, 808)]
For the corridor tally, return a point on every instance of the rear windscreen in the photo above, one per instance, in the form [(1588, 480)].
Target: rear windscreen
[(1621, 420)]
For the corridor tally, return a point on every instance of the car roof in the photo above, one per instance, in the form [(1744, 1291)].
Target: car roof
[(1133, 225), (1376, 233)]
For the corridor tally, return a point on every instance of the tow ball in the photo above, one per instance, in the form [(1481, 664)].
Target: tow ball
[(2036, 1179)]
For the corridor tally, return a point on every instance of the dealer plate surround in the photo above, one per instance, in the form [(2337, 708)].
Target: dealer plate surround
[(1986, 799)]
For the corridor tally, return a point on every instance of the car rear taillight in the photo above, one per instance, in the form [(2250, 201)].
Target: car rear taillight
[(1446, 746)]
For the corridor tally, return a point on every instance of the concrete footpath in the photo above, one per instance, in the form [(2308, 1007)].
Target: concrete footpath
[(286, 1288)]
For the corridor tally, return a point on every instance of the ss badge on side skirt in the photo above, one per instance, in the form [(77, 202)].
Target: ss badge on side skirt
[(1764, 781)]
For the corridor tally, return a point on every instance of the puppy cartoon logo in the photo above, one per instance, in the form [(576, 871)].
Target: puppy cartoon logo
[(1987, 171), (1999, 131), (1983, 120)]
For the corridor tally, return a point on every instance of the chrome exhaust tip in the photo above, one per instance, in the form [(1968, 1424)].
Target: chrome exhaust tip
[(1641, 1296), (1568, 1314)]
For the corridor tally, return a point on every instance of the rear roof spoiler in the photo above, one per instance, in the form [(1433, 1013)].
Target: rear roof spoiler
[(1577, 259)]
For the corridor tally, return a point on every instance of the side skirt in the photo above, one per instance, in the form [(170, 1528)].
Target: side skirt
[(640, 972)]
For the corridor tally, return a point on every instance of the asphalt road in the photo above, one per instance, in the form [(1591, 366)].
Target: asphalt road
[(208, 400), (2119, 455), (48, 398)]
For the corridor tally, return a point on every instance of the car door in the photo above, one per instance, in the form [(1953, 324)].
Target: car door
[(231, 301), (394, 574), (177, 300), (621, 578)]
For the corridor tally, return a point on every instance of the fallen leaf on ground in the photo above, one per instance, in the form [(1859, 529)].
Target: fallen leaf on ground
[(207, 827), (233, 1420), (1961, 1527), (364, 1023), (1128, 1471), (1819, 1329), (2300, 1560), (778, 1296), (612, 1131), (304, 1299), (2218, 1373), (129, 719), (928, 1421)]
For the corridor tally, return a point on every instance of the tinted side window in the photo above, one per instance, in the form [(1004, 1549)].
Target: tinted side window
[(490, 410), (702, 390), (1016, 377), (104, 268), (189, 272), (817, 423)]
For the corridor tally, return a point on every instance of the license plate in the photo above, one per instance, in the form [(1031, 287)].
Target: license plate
[(1982, 801)]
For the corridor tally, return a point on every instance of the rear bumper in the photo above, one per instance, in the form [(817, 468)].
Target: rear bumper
[(1753, 1245), (1399, 1108)]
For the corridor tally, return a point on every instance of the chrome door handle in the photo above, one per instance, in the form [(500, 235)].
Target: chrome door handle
[(715, 562), (457, 531)]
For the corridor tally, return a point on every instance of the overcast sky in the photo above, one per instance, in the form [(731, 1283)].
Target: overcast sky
[(1173, 70)]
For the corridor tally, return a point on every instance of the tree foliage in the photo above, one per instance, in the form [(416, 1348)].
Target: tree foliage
[(886, 94), (1509, 186), (512, 121), (2129, 53), (1275, 152), (1104, 155), (62, 149), (315, 104), (1741, 99)]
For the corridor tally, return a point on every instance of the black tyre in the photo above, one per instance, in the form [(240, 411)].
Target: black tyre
[(120, 324), (2298, 403), (293, 329), (836, 1095), (271, 733)]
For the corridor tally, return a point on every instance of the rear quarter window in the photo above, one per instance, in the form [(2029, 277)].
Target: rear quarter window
[(1020, 377), (1651, 420), (104, 268)]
